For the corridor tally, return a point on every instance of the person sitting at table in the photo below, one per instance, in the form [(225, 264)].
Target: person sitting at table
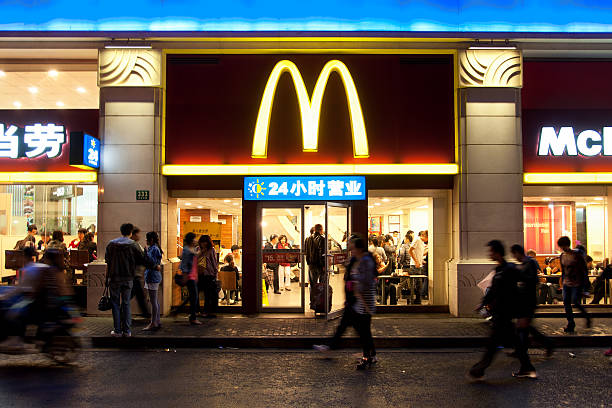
[(600, 283), (554, 289)]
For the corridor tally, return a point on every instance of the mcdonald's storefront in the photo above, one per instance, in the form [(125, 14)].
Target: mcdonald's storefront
[(261, 147)]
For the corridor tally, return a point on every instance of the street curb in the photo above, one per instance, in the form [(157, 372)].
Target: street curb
[(306, 342)]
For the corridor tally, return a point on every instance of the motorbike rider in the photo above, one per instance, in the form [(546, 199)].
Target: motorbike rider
[(41, 290)]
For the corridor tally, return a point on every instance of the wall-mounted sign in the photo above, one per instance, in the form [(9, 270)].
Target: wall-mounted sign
[(142, 195), (195, 218), (84, 151), (31, 141), (566, 142), (305, 188)]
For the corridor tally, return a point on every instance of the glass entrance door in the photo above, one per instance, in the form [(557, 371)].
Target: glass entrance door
[(337, 227), (281, 267), (289, 283)]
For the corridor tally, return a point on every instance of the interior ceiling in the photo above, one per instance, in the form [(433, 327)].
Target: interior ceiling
[(394, 205), (67, 90), (564, 199), (229, 206)]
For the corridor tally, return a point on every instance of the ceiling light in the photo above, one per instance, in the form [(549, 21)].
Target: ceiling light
[(370, 206), (235, 203), (17, 104), (581, 204), (385, 200), (200, 207), (227, 201), (53, 73), (187, 203), (33, 90), (60, 104), (80, 89), (2, 73), (598, 199), (376, 203), (545, 199), (423, 207)]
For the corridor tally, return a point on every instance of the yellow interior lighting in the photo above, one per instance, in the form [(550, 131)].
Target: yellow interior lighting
[(50, 177), (310, 110), (306, 169), (568, 178)]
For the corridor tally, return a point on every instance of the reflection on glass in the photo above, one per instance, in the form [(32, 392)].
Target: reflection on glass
[(281, 264)]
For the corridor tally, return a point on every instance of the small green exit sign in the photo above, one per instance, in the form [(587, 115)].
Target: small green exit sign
[(142, 195)]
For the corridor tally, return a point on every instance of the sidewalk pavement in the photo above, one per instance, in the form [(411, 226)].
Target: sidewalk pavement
[(283, 331)]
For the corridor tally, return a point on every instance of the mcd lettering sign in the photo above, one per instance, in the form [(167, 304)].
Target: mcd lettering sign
[(295, 114), (565, 142)]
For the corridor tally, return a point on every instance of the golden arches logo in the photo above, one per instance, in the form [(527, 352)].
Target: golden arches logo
[(310, 109)]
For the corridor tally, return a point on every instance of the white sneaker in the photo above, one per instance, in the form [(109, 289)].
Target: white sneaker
[(321, 347), (115, 334)]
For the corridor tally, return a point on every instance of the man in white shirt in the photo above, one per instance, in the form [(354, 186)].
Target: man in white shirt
[(418, 253)]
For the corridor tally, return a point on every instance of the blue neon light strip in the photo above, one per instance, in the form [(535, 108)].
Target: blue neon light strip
[(554, 16)]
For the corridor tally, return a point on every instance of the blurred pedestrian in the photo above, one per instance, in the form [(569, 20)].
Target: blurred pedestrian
[(360, 303), (500, 302), (574, 275), (527, 280), (153, 278), (189, 267)]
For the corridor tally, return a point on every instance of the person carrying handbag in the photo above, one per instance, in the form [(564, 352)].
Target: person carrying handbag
[(189, 268)]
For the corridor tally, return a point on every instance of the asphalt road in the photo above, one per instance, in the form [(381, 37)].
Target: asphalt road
[(254, 378)]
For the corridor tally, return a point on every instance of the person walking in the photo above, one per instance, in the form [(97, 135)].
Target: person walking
[(153, 278), (574, 275), (315, 258), (360, 301), (208, 267), (500, 301), (188, 266), (284, 269), (122, 255), (137, 287), (527, 280)]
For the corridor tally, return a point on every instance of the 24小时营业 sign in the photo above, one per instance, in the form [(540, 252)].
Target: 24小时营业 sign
[(315, 188)]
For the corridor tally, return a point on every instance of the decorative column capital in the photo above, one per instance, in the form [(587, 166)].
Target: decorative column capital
[(490, 68), (129, 67)]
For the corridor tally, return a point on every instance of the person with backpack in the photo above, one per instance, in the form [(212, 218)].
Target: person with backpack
[(153, 278), (360, 303)]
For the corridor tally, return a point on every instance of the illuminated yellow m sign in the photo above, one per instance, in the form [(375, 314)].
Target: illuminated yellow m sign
[(310, 110)]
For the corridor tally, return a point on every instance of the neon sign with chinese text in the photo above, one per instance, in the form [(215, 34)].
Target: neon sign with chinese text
[(307, 188), (32, 141)]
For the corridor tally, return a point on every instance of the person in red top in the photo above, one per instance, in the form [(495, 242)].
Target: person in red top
[(284, 269), (74, 244)]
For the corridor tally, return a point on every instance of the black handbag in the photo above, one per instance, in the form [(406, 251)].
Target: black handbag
[(181, 279), (105, 302)]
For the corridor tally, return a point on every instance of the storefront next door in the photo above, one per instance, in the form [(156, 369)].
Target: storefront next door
[(288, 283)]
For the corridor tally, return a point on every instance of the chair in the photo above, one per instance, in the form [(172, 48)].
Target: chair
[(228, 282)]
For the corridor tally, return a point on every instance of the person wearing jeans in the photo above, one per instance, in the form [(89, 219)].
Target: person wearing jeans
[(574, 275), (122, 255), (121, 295), (188, 267)]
